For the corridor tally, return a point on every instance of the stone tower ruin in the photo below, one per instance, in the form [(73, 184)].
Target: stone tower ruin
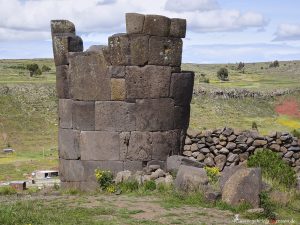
[(121, 106)]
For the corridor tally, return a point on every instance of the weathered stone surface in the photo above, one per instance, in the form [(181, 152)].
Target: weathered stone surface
[(157, 25), (62, 81), (71, 170), (62, 45), (140, 146), (243, 186), (59, 27), (123, 176), (118, 91), (116, 71), (228, 172), (134, 23), (99, 145), (175, 161), (220, 161), (190, 178), (147, 82), (133, 165), (209, 161), (165, 51), (83, 115), (182, 88), (165, 143), (178, 28), (68, 144), (89, 79), (65, 107), (259, 143), (114, 116), (92, 165), (129, 49), (155, 114), (231, 145), (96, 48)]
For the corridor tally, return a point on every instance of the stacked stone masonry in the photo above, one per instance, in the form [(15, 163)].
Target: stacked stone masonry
[(124, 105), (229, 147)]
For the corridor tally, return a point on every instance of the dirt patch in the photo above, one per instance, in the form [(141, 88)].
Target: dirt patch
[(289, 107)]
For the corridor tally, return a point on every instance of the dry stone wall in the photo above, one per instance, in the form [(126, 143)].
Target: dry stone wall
[(124, 105), (229, 147)]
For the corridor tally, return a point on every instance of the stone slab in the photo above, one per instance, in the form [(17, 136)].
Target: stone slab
[(154, 114), (71, 170), (164, 144), (62, 27), (182, 88), (157, 25), (68, 144), (99, 145), (118, 91), (62, 81), (181, 117), (65, 107), (178, 28), (133, 165), (116, 71), (89, 78), (140, 146), (147, 82), (165, 51), (134, 23), (115, 116), (83, 115)]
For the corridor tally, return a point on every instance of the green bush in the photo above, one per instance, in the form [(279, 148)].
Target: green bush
[(34, 69), (45, 68), (296, 133), (222, 74), (273, 168), (254, 125), (274, 64), (129, 186), (150, 185), (267, 205), (105, 179)]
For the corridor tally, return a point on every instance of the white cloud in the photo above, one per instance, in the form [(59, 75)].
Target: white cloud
[(287, 32), (191, 5)]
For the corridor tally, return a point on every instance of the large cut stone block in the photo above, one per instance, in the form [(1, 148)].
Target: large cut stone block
[(133, 165), (164, 144), (99, 145), (118, 91), (128, 49), (89, 78), (154, 114), (165, 51), (83, 115), (62, 45), (178, 28), (62, 27), (91, 166), (65, 107), (62, 81), (182, 88), (147, 81), (157, 25), (181, 117), (71, 170), (115, 116), (68, 144), (134, 23), (124, 142), (140, 147)]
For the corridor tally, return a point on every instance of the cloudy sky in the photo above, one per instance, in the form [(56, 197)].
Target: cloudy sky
[(219, 31)]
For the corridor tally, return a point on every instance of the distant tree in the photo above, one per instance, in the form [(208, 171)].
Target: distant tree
[(241, 66), (45, 68), (34, 69), (274, 64), (223, 74)]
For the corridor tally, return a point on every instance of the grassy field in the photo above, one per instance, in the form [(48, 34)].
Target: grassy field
[(28, 109)]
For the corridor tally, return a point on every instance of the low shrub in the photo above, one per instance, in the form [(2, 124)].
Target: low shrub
[(7, 190), (273, 168), (105, 180), (222, 74), (150, 185), (213, 174)]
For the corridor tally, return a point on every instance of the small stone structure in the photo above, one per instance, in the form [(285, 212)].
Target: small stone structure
[(124, 105), (228, 147)]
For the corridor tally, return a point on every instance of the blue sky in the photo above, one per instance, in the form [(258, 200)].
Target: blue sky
[(219, 31)]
